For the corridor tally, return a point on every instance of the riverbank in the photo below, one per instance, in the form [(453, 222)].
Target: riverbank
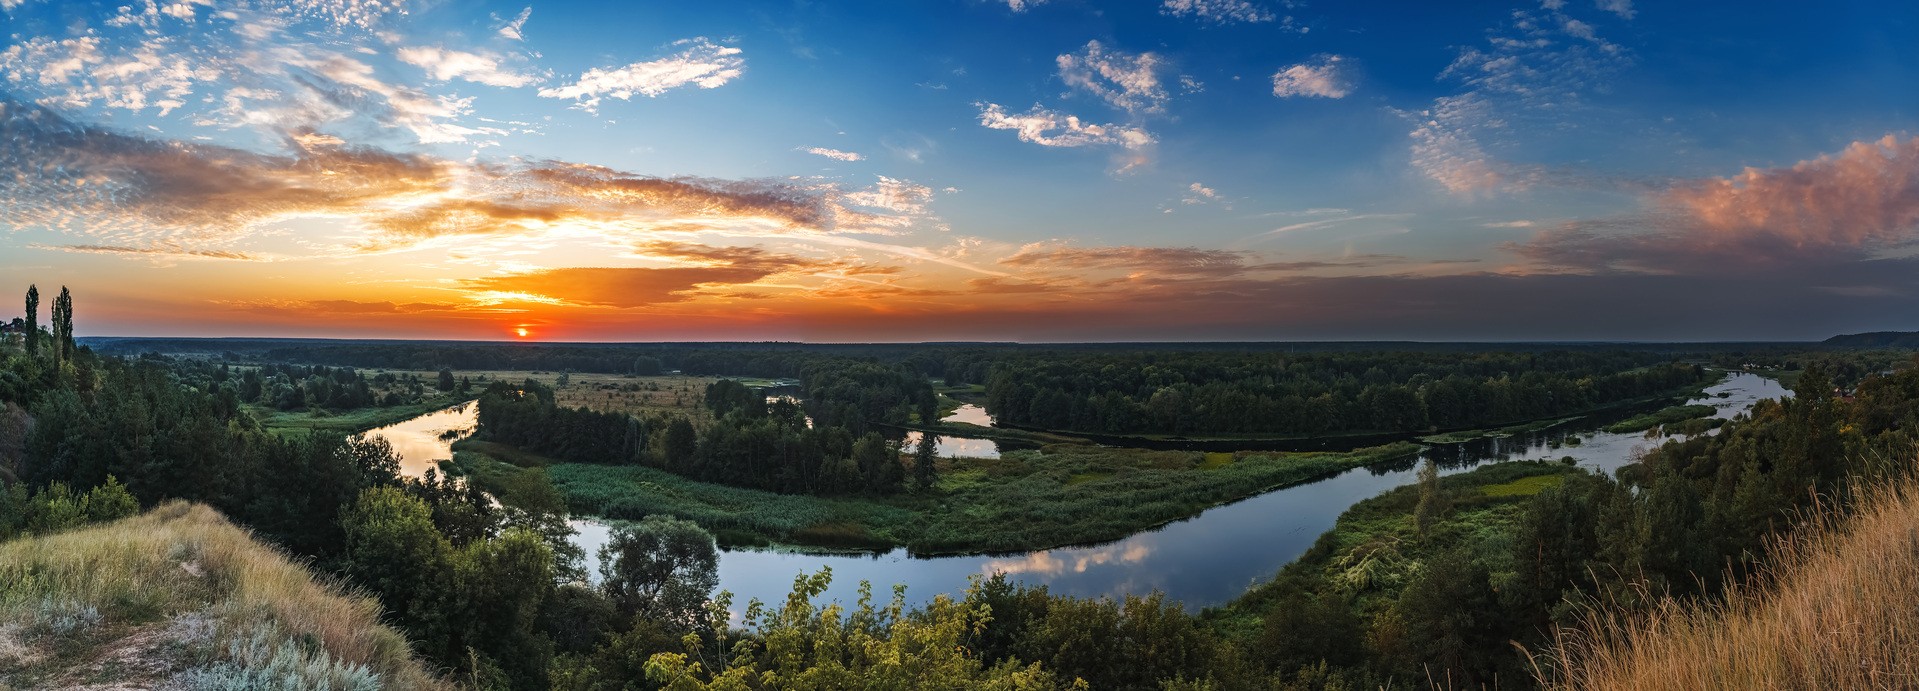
[(1025, 500), (346, 421), (1375, 548)]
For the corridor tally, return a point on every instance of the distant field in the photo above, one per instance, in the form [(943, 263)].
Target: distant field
[(634, 395)]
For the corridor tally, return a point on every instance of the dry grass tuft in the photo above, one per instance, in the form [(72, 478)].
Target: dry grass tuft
[(1839, 609), (78, 593)]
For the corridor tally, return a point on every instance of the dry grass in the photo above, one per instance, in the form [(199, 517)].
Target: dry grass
[(135, 589), (1838, 610)]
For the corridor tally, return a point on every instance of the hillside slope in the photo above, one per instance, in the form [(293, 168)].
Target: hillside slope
[(181, 598), (1839, 610)]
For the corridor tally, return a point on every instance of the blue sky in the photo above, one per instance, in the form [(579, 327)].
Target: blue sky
[(1053, 170)]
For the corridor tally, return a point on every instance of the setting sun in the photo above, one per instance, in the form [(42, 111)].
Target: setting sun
[(521, 332)]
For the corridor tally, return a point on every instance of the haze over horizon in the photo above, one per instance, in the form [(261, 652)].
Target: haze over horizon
[(964, 170)]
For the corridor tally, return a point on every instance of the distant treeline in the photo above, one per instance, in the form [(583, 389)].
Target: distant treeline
[(1318, 393), (751, 443)]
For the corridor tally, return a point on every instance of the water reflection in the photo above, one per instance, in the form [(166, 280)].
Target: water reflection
[(424, 441), (1056, 562)]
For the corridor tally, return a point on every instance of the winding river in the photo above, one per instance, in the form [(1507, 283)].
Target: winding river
[(1204, 560)]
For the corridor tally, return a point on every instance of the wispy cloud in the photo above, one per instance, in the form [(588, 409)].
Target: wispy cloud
[(1200, 194), (1047, 127), (700, 63), (1129, 82), (834, 154), (446, 64), (513, 30), (1221, 11), (1325, 76), (1159, 260), (1531, 77), (130, 192)]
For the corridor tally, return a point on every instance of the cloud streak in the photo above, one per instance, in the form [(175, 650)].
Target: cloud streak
[(701, 63), (1053, 128)]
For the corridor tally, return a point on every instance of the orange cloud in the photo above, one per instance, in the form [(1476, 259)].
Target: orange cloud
[(1832, 209), (1165, 260), (617, 287), (1866, 195)]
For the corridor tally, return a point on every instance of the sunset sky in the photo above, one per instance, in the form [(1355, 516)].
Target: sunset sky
[(1036, 170)]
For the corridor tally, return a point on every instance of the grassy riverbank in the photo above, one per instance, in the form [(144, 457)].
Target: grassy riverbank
[(1025, 500), (346, 421), (1375, 548), (1663, 416)]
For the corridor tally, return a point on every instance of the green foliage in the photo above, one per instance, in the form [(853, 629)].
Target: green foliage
[(1663, 416), (660, 569), (1226, 393), (1023, 500), (801, 646)]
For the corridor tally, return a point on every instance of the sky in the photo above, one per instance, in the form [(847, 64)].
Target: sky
[(964, 170)]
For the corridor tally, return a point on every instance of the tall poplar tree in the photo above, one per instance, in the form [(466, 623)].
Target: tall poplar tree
[(33, 319), (63, 326)]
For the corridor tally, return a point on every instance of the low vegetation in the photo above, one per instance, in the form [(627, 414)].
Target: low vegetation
[(1838, 608), (1054, 496), (1663, 416), (180, 598)]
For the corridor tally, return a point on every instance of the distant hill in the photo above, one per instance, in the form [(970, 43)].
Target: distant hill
[(1875, 339)]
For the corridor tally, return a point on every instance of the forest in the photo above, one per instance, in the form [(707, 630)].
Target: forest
[(1425, 584)]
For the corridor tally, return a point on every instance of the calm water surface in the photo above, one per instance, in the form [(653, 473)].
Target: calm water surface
[(1204, 560)]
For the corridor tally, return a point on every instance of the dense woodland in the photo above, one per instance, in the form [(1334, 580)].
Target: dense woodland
[(828, 447), (1323, 393), (490, 595)]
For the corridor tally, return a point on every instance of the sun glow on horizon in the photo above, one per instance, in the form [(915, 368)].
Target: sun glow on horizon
[(521, 332)]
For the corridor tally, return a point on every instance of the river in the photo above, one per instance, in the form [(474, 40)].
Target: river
[(1202, 561)]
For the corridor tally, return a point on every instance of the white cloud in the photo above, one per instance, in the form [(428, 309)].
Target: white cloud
[(834, 154), (1325, 76), (512, 30), (1129, 82), (1445, 149), (1023, 5), (1221, 11), (1531, 80), (1053, 128), (1200, 194), (703, 63), (1509, 224), (445, 64), (1623, 8)]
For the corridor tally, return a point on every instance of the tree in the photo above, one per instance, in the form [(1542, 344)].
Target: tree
[(661, 569), (446, 382), (1432, 499), (63, 326), (33, 319), (393, 550), (924, 457)]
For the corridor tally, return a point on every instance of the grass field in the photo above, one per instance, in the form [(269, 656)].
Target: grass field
[(181, 598), (1024, 500)]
